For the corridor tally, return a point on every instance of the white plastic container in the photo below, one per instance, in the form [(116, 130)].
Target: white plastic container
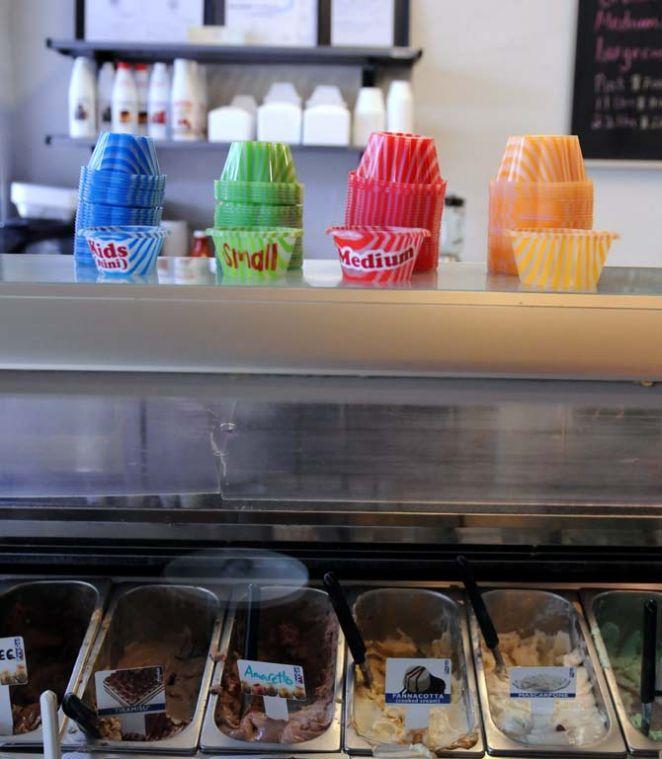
[(141, 74), (247, 102), (326, 120), (400, 107), (230, 123), (183, 100), (37, 201), (279, 122), (125, 101), (158, 102), (177, 241), (369, 115), (105, 97), (82, 100)]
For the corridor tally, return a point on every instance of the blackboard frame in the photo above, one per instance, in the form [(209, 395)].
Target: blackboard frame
[(618, 146)]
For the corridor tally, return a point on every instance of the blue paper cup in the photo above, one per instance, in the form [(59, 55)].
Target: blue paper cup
[(101, 215), (125, 251), (125, 153), (120, 189)]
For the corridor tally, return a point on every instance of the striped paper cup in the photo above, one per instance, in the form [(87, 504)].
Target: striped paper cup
[(118, 189), (539, 205), (380, 255), (399, 157), (254, 161), (397, 205), (228, 214), (542, 158), (254, 255), (125, 251), (125, 153), (269, 193), (561, 259)]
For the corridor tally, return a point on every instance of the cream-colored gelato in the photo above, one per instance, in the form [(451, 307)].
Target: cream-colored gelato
[(574, 722), (382, 723)]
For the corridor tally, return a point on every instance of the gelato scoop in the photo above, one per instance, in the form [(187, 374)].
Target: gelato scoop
[(301, 631), (571, 722)]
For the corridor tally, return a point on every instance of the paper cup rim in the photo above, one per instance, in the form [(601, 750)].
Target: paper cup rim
[(263, 231), (363, 228), (562, 232), (137, 230)]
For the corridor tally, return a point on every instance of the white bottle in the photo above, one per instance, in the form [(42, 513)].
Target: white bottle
[(105, 97), (158, 102), (369, 115), (183, 100), (82, 100), (400, 107), (202, 100), (141, 75), (125, 101)]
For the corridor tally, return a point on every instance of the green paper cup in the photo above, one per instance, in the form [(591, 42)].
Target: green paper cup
[(245, 215), (259, 162), (259, 193), (254, 255)]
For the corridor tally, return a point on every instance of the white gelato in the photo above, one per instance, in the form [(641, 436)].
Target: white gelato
[(384, 724), (574, 722)]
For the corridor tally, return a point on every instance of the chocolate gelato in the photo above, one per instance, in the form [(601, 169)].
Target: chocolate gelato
[(301, 631), (156, 626), (52, 618)]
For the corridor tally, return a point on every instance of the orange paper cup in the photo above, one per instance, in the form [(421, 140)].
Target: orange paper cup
[(542, 158)]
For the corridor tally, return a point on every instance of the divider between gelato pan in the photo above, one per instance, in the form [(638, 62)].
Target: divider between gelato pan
[(296, 629), (542, 629), (411, 624)]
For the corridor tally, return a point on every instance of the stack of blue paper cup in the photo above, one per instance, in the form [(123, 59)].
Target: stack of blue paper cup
[(122, 185)]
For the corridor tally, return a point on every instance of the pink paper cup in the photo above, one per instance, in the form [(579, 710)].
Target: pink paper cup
[(400, 157)]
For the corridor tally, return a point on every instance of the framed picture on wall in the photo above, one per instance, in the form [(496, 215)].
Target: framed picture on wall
[(368, 23), (144, 21)]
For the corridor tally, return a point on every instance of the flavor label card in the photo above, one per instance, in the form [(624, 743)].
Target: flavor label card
[(130, 691), (260, 678), (13, 667), (418, 682), (543, 682)]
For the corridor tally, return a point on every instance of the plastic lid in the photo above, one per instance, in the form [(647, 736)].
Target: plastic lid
[(199, 233), (123, 65), (140, 67)]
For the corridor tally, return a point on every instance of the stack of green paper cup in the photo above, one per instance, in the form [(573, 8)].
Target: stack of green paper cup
[(258, 190)]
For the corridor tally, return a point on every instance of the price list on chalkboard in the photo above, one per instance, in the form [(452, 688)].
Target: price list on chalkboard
[(617, 103)]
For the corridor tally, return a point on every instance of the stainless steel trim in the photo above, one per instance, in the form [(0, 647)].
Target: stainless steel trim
[(638, 744), (457, 316), (213, 740), (101, 588), (499, 744), (354, 744), (184, 742)]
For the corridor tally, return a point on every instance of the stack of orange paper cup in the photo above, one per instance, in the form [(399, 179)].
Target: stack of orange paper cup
[(541, 184), (398, 184)]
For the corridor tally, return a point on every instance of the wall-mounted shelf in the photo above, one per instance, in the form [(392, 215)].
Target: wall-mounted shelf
[(63, 140), (369, 59)]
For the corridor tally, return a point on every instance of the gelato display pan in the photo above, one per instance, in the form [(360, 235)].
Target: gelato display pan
[(410, 623), (167, 626), (296, 627), (543, 629), (58, 621), (615, 618)]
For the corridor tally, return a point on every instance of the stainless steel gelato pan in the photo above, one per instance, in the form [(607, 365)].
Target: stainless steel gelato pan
[(615, 618), (296, 627), (543, 629), (58, 620), (410, 623), (168, 626)]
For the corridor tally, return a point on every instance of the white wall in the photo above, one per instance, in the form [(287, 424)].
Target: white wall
[(492, 68)]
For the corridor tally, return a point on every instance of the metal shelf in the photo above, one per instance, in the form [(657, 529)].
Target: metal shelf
[(63, 140), (321, 55)]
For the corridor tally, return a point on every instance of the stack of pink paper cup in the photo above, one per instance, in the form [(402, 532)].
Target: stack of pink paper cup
[(398, 184)]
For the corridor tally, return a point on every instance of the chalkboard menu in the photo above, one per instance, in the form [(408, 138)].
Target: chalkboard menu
[(617, 103)]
